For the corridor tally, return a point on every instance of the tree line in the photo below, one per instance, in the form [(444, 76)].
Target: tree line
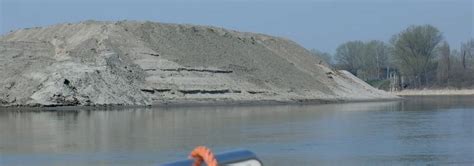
[(419, 55)]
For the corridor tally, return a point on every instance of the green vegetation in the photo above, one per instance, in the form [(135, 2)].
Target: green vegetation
[(418, 55)]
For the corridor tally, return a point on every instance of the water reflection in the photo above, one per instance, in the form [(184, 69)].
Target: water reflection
[(413, 131)]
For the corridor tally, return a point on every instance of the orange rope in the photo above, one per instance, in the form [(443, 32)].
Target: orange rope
[(200, 154)]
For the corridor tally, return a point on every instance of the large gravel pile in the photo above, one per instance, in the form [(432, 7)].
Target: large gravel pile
[(145, 63)]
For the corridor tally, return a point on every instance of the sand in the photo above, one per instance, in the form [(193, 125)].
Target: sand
[(95, 63)]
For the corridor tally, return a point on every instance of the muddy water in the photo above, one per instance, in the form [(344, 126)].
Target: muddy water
[(424, 130)]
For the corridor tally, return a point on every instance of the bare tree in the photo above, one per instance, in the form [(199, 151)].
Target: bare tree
[(324, 55), (414, 51), (444, 64), (376, 57), (349, 56), (467, 51)]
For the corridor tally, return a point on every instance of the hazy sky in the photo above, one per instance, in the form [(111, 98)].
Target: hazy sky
[(320, 24)]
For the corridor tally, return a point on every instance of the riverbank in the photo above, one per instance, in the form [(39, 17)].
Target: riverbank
[(198, 103), (435, 92)]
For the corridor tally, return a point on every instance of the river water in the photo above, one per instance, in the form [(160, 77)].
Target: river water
[(417, 130)]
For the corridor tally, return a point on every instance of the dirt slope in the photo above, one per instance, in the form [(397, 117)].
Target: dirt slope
[(145, 63)]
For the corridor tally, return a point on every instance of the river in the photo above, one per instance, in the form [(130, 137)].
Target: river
[(414, 131)]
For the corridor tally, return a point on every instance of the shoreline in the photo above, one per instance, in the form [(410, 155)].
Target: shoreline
[(194, 103), (435, 92)]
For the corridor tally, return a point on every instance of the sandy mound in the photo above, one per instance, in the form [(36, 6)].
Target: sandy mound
[(144, 63)]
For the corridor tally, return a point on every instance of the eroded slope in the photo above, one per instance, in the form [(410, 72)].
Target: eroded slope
[(143, 63)]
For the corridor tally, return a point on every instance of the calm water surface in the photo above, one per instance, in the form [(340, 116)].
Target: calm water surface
[(420, 131)]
